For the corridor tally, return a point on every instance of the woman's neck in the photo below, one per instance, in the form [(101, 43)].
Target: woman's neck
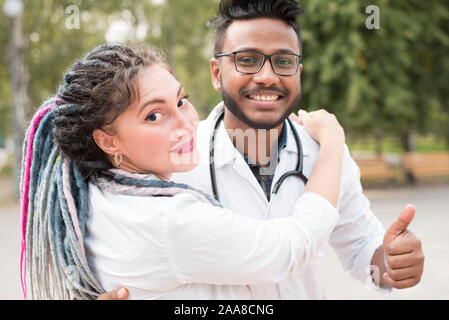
[(125, 165)]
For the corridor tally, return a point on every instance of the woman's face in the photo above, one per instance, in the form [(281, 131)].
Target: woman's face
[(157, 133)]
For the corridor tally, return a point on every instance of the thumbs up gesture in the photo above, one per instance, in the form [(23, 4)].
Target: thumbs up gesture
[(404, 256)]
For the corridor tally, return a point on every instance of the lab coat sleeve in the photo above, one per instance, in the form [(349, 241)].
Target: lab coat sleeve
[(213, 245), (358, 232)]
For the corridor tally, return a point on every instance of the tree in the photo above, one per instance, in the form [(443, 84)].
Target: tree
[(382, 82), (377, 81)]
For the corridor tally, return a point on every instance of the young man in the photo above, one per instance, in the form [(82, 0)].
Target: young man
[(257, 67)]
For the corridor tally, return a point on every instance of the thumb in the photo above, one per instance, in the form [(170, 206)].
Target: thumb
[(399, 226)]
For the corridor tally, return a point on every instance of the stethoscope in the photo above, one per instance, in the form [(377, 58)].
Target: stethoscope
[(296, 172)]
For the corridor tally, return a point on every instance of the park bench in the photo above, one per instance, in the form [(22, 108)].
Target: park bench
[(374, 167), (430, 164)]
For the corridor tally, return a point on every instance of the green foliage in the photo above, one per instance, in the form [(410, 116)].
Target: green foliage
[(392, 145), (386, 80), (5, 84), (390, 81)]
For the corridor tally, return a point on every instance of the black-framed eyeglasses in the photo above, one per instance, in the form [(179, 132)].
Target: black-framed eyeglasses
[(251, 62)]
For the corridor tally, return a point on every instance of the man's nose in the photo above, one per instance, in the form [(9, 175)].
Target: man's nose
[(266, 75)]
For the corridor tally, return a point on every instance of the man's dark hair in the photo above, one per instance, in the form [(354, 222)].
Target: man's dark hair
[(231, 10)]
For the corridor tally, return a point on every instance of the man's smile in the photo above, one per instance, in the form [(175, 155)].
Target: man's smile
[(260, 97)]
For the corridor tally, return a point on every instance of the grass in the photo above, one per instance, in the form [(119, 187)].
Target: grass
[(391, 145), (8, 168), (7, 183)]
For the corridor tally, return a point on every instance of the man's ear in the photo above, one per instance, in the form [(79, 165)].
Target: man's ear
[(215, 73), (105, 142)]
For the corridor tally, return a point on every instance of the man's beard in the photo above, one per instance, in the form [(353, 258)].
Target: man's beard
[(236, 110)]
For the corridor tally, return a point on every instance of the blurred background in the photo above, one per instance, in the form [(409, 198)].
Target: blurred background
[(385, 76)]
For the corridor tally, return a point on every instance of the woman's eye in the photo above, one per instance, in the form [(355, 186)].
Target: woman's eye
[(182, 101), (155, 116)]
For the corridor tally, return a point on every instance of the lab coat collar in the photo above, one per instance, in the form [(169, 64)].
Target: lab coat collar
[(306, 140)]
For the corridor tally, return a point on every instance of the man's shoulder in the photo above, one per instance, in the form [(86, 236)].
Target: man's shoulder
[(309, 145)]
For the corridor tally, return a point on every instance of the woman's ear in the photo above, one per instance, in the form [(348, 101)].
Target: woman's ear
[(215, 73), (105, 142)]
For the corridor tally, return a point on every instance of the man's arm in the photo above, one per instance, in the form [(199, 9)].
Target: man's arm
[(359, 230), (378, 267)]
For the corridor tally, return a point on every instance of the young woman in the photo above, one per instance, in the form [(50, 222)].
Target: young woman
[(97, 196)]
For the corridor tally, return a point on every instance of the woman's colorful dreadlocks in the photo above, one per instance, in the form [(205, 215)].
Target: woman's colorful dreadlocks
[(54, 211)]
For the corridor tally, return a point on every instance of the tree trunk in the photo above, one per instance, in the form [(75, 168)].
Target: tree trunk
[(378, 138), (408, 141), (20, 79), (170, 35)]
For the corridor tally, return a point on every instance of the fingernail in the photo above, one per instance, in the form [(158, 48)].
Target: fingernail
[(121, 293)]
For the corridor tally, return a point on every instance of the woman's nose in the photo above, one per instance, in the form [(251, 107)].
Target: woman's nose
[(185, 127)]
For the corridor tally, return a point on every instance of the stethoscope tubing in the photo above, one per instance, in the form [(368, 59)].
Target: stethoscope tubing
[(296, 172)]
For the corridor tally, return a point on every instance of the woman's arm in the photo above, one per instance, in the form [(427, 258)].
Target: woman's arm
[(326, 175), (207, 244)]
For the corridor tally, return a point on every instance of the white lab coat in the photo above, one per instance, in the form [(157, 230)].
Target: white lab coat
[(355, 238), (181, 248)]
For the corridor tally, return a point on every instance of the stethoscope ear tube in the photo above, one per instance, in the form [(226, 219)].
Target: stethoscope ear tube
[(213, 178), (299, 164), (297, 171)]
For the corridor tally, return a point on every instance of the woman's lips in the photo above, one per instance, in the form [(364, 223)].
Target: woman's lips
[(185, 148)]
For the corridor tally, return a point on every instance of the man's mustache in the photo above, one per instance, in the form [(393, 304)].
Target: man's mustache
[(264, 90)]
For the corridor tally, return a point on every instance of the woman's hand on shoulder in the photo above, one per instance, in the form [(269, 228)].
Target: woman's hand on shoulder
[(321, 125)]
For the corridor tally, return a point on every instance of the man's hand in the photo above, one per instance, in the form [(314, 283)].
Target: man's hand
[(119, 294), (403, 252)]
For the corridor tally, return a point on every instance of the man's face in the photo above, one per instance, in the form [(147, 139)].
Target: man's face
[(262, 100)]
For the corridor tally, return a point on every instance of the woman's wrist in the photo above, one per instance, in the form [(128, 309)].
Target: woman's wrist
[(332, 146)]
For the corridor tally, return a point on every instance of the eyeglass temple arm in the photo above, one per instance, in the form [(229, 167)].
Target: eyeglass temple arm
[(224, 54)]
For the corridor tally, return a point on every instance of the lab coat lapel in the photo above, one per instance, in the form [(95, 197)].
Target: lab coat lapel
[(289, 155), (227, 155)]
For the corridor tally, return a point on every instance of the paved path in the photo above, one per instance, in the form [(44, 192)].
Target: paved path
[(10, 252), (431, 224)]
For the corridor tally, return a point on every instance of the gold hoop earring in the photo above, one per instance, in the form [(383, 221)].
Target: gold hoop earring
[(118, 158)]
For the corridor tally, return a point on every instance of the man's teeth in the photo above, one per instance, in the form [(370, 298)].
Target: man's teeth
[(263, 98)]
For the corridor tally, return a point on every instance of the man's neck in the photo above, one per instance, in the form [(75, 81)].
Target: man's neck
[(257, 144)]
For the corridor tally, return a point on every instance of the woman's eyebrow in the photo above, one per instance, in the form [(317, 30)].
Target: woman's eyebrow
[(157, 100)]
